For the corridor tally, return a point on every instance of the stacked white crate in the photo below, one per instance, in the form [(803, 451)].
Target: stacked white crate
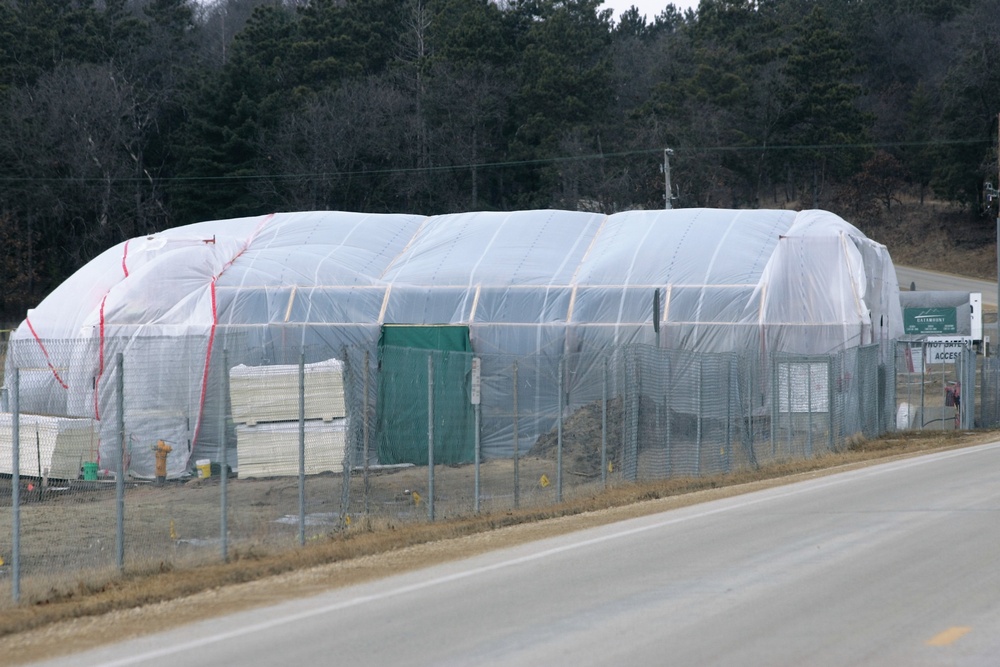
[(53, 446), (265, 408), (271, 449)]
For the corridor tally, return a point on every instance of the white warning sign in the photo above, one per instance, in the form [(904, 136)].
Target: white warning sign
[(476, 380)]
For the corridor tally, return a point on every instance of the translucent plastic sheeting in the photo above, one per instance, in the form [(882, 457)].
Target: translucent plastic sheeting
[(541, 282)]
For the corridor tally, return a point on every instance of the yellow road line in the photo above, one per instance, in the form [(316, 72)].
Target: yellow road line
[(948, 637)]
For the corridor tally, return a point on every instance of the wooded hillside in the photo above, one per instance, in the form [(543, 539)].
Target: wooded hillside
[(123, 117)]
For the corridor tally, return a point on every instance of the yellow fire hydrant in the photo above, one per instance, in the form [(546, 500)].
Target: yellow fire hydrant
[(161, 450)]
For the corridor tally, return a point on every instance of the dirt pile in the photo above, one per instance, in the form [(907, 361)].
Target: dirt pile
[(581, 439)]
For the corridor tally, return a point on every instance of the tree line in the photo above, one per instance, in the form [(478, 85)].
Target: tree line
[(120, 118)]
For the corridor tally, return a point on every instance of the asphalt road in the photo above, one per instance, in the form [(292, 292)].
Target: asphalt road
[(933, 281), (893, 564)]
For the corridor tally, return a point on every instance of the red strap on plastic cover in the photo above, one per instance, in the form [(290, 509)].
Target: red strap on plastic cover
[(215, 322), (46, 353)]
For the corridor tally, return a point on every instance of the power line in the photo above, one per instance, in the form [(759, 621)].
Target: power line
[(690, 150)]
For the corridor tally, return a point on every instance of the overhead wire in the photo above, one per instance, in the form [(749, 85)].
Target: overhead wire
[(498, 164)]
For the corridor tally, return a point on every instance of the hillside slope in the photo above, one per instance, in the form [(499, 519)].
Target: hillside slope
[(935, 235)]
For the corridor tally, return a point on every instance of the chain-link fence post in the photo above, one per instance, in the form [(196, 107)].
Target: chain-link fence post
[(302, 447), (990, 384), (668, 398), (663, 416), (830, 368), (559, 436), (751, 365), (347, 463), (788, 392), (809, 408), (476, 370), (892, 393), (15, 481), (923, 367), (985, 398), (517, 453), (633, 385), (732, 384), (658, 395), (968, 392), (224, 461), (120, 470), (365, 435), (773, 395), (879, 395), (983, 395), (604, 425), (994, 386), (944, 383), (430, 436), (701, 415)]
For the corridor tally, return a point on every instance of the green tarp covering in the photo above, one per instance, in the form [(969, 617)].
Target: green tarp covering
[(403, 391)]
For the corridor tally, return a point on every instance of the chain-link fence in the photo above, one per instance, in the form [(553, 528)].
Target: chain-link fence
[(989, 415), (130, 455)]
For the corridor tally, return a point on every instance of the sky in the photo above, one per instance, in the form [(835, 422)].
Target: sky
[(648, 7)]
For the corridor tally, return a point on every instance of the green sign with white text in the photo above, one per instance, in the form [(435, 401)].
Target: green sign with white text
[(922, 321)]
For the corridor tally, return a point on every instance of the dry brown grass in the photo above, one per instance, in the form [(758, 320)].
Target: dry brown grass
[(367, 551), (936, 235)]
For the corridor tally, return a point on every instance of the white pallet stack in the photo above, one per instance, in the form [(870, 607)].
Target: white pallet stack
[(265, 408), (272, 449), (56, 446), (271, 393)]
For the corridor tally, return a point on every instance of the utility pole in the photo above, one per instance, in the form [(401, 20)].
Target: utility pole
[(667, 152), (993, 194)]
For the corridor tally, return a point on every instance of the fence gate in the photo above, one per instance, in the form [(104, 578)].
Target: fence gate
[(935, 384)]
